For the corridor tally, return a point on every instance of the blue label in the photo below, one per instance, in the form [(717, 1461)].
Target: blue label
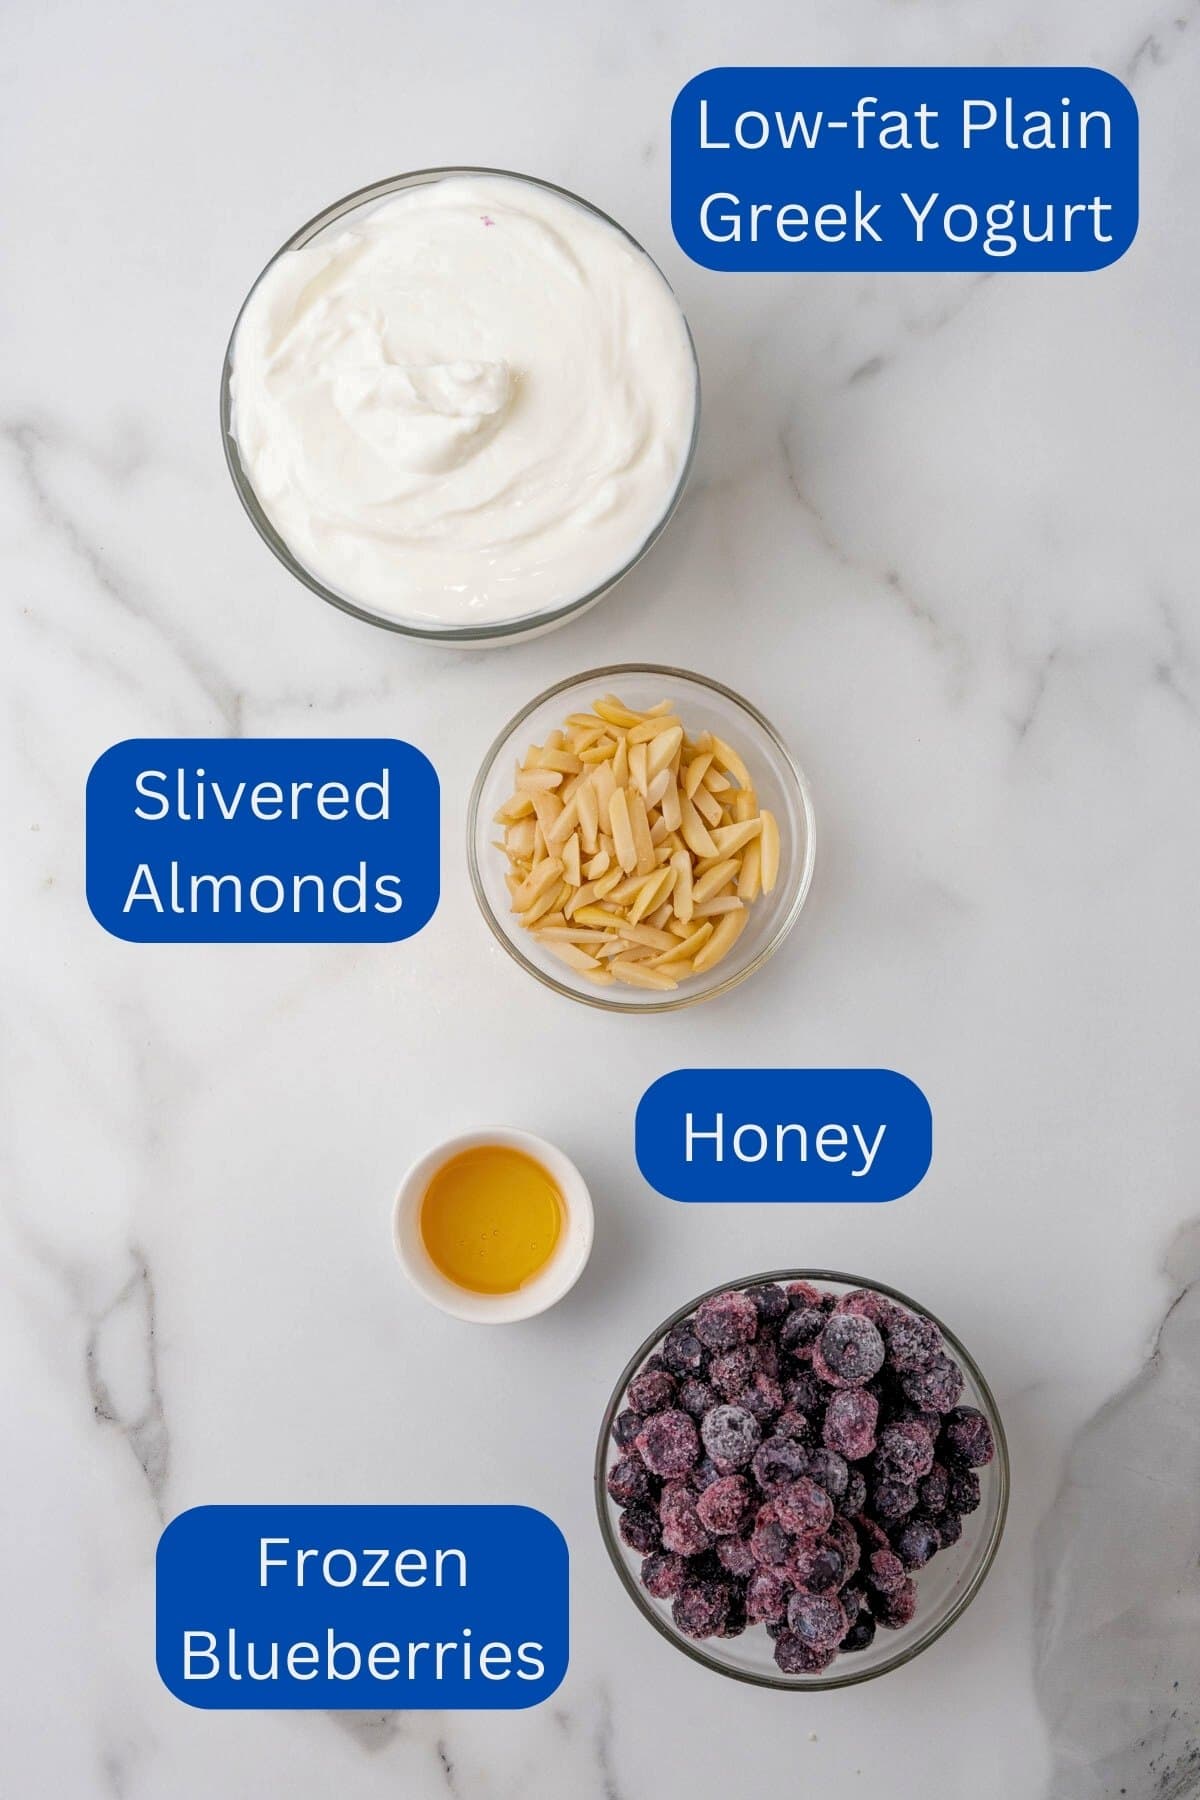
[(262, 840), (936, 169), (795, 1135), (318, 1607)]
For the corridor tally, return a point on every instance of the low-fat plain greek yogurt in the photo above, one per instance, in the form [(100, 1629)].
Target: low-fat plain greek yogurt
[(472, 403)]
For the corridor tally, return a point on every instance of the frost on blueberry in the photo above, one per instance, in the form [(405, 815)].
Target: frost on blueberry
[(803, 1507), (726, 1320), (731, 1435), (668, 1444), (766, 1596), (904, 1451), (640, 1529), (937, 1387), (628, 1481), (850, 1421), (778, 1461), (818, 1620), (651, 1391), (912, 1341), (724, 1504), (969, 1437), (663, 1574), (916, 1541), (849, 1351), (701, 1607)]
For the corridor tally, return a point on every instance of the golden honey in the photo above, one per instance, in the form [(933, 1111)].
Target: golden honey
[(491, 1219)]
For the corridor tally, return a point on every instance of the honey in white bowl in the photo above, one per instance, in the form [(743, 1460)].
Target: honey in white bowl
[(491, 1219)]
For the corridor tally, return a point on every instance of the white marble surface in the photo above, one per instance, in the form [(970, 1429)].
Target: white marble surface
[(943, 532)]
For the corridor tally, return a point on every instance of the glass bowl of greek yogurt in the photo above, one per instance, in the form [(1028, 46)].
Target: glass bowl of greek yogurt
[(704, 705), (460, 404)]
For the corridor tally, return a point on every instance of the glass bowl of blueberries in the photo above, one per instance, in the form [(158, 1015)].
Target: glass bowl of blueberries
[(802, 1479)]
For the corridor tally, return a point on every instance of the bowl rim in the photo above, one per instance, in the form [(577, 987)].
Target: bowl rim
[(905, 1651), (500, 630), (668, 1002)]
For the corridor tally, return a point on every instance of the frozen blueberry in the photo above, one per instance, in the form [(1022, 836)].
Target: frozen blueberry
[(855, 1496), (904, 1451), (626, 1426), (949, 1527), (683, 1352), (860, 1636), (893, 1500), (628, 1480), (912, 1341), (801, 1329), (803, 1507), (770, 1543), (701, 1607), (804, 1392), (898, 1606), (830, 1470), (640, 1529), (668, 1444), (777, 1461), (849, 1351), (762, 1397), (663, 1574), (964, 1491), (682, 1529), (803, 1293), (871, 1306), (695, 1396), (843, 1535), (731, 1435), (735, 1621), (885, 1571), (937, 1387), (792, 1423), (736, 1555), (730, 1372), (795, 1657), (870, 1535), (726, 1320), (651, 1391), (916, 1541), (723, 1505), (818, 1620), (766, 1357), (933, 1490), (817, 1566), (770, 1301), (704, 1474), (969, 1436), (766, 1596), (850, 1421)]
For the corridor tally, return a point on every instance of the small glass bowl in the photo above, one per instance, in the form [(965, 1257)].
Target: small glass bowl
[(496, 631), (946, 1585), (703, 705)]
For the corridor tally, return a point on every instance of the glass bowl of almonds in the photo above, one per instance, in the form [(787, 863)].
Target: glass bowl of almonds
[(640, 838)]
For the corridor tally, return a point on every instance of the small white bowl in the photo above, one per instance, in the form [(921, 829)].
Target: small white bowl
[(558, 1276)]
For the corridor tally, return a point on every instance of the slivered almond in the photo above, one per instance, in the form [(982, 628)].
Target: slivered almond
[(695, 772), (672, 817), (641, 834), (695, 831), (713, 880), (622, 830), (658, 918), (729, 759), (647, 934), (724, 903), (573, 957), (770, 851), (571, 861), (535, 884), (729, 838), (707, 805), (654, 725), (683, 899), (728, 930), (685, 947), (537, 781), (597, 866), (750, 879), (613, 713), (655, 891), (638, 975), (662, 750), (637, 767)]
